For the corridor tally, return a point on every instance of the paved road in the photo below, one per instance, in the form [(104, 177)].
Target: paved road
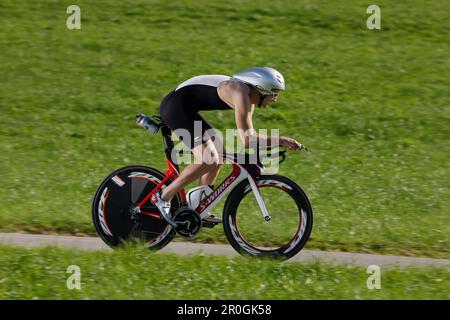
[(189, 248)]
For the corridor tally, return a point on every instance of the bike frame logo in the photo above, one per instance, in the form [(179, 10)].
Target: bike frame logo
[(207, 201)]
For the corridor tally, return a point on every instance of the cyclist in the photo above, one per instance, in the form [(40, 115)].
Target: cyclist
[(241, 92)]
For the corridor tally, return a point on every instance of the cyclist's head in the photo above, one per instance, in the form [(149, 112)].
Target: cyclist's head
[(267, 81)]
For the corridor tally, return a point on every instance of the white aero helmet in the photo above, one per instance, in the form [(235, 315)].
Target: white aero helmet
[(266, 80)]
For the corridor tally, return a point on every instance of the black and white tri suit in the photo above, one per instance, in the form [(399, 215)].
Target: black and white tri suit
[(179, 109)]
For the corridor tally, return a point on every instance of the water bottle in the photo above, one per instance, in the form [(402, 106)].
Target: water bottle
[(147, 123)]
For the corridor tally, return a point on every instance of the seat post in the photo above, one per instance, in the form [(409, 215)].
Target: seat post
[(168, 144)]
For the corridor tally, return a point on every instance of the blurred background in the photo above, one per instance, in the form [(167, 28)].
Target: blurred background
[(372, 105)]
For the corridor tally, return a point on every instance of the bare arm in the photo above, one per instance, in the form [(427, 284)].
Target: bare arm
[(236, 95)]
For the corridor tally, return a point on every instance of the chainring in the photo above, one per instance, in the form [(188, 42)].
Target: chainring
[(189, 222)]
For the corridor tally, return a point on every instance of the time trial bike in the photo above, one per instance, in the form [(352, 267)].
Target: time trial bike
[(264, 215)]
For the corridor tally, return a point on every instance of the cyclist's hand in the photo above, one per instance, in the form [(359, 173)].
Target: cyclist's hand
[(291, 144)]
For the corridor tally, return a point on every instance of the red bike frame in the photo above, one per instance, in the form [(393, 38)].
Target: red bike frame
[(239, 173)]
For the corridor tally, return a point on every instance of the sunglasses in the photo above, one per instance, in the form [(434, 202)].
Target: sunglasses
[(274, 94)]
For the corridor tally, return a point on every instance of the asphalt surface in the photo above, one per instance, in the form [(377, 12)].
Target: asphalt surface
[(190, 248)]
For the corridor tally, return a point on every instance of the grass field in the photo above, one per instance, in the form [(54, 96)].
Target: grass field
[(134, 274), (372, 105)]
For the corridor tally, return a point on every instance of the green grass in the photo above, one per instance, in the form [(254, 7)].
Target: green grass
[(136, 274), (371, 105)]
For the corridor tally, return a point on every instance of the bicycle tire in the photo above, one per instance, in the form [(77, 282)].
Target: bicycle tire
[(231, 218), (114, 226)]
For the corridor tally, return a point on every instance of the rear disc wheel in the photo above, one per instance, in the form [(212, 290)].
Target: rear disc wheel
[(114, 200)]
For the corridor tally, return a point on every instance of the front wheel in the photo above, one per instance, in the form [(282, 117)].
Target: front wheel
[(291, 218), (114, 200)]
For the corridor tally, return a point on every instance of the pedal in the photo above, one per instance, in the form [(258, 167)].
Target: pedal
[(211, 221)]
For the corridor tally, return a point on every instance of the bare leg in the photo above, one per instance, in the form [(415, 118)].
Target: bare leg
[(211, 176), (189, 174), (207, 159)]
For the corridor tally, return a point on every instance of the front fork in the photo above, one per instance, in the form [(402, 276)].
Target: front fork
[(259, 199)]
